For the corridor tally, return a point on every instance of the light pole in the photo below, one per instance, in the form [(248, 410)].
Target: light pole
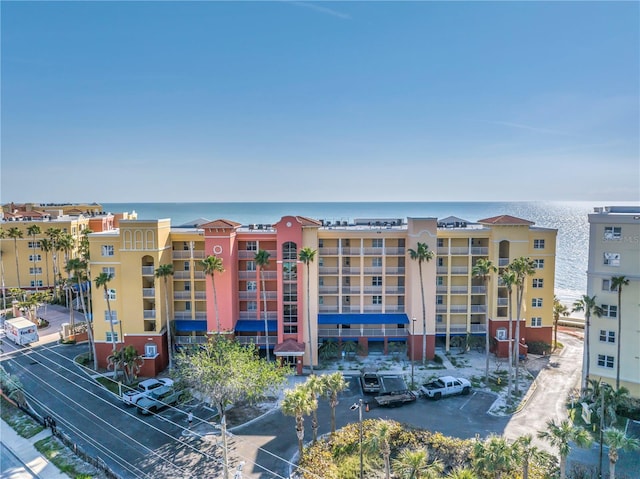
[(353, 407), (413, 329), (602, 386)]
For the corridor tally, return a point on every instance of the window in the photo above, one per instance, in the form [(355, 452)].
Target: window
[(438, 318), (252, 286), (252, 246), (612, 232), (290, 329), (439, 299), (536, 302), (187, 266), (34, 244), (440, 280), (289, 251), (321, 281), (290, 313), (376, 262), (320, 299), (536, 322), (290, 292), (37, 270), (109, 271), (607, 286), (252, 306), (538, 244), (609, 311), (187, 305), (440, 261), (377, 242), (251, 266), (35, 257), (114, 316), (538, 263), (289, 271), (150, 350), (607, 336), (605, 361), (377, 299), (538, 282), (37, 284), (320, 261), (185, 246), (320, 243), (440, 243), (111, 295), (376, 281), (187, 286), (612, 259), (107, 250), (110, 338)]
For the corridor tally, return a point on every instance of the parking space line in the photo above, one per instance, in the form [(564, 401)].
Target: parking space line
[(467, 401)]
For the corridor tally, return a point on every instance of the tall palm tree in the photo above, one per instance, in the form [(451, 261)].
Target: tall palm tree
[(102, 281), (306, 256), (526, 452), (379, 441), (422, 254), (46, 246), (618, 282), (618, 440), (164, 271), (262, 261), (212, 265), (589, 306), (14, 233), (559, 436), (299, 402), (483, 269), (334, 384), (317, 387), (79, 269), (508, 278), (54, 236), (559, 309), (523, 268), (34, 230)]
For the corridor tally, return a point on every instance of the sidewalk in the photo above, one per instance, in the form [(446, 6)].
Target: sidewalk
[(28, 454)]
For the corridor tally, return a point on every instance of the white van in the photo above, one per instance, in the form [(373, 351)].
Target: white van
[(21, 331)]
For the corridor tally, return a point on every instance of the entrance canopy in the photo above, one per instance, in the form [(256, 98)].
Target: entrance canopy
[(289, 347)]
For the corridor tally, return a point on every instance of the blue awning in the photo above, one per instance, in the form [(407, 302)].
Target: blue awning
[(377, 318), (254, 326), (190, 325)]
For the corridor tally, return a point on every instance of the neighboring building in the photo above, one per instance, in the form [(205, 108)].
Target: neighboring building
[(614, 250)]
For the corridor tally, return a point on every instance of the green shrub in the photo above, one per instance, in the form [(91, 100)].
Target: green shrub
[(437, 359), (539, 347)]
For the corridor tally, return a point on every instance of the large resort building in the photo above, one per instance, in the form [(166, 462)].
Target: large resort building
[(614, 251), (363, 287)]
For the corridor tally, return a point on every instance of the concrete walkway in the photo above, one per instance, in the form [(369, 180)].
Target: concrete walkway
[(24, 450)]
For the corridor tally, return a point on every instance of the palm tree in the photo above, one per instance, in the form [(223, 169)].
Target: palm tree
[(422, 254), (306, 256), (559, 436), (494, 456), (379, 442), (34, 230), (212, 265), (523, 268), (414, 464), (102, 281), (526, 452), (462, 473), (508, 278), (54, 236), (483, 269), (14, 233), (589, 306), (618, 440), (262, 261), (46, 246), (164, 271), (317, 387), (131, 362), (299, 402), (617, 282), (79, 269), (333, 384), (559, 309)]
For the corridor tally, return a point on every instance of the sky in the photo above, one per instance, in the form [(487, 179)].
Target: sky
[(319, 101)]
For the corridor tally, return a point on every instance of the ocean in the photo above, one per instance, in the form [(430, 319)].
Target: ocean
[(569, 218)]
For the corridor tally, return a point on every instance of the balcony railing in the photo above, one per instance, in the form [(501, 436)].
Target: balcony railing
[(460, 250), (394, 290), (187, 340), (362, 332), (328, 308), (253, 315), (373, 270), (442, 250), (250, 254), (503, 262), (459, 289), (394, 308), (148, 271), (328, 289), (459, 270), (253, 294), (372, 289), (350, 270), (460, 328), (186, 254), (148, 292), (351, 290), (441, 308), (377, 251), (458, 308), (478, 308), (328, 251), (442, 270), (442, 289), (478, 290), (373, 308), (149, 314), (479, 250), (394, 251), (247, 274), (351, 251), (189, 315), (257, 340), (395, 270), (328, 270)]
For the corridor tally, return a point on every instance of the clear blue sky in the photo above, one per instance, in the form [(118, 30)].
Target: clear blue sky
[(324, 101)]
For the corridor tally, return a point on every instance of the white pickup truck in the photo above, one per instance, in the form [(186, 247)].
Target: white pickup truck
[(445, 386), (143, 389)]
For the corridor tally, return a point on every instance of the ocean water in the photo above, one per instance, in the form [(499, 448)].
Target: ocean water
[(569, 218)]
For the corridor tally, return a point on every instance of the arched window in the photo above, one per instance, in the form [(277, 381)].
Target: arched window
[(289, 251)]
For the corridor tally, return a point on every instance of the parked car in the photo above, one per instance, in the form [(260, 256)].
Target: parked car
[(370, 381), (445, 386), (394, 391), (132, 396), (157, 399)]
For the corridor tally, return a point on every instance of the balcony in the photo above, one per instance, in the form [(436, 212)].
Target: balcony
[(149, 314), (248, 275), (350, 271), (460, 328), (187, 340), (351, 290), (441, 308), (372, 251), (479, 250), (351, 251), (328, 270), (329, 308), (458, 308), (478, 290), (373, 308), (182, 295), (503, 262), (460, 251), (328, 289), (459, 290), (362, 332), (253, 294), (186, 254), (478, 308), (268, 275), (442, 270), (328, 251), (395, 270), (148, 271), (373, 270), (442, 250), (459, 270), (250, 254), (254, 315), (394, 251), (394, 308), (394, 290), (442, 289), (189, 315), (372, 290), (257, 340), (148, 292)]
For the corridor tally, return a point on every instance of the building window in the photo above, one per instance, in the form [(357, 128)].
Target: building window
[(320, 299), (320, 261), (440, 280), (107, 250), (108, 270), (113, 317), (290, 313), (252, 246), (536, 322), (377, 299), (37, 270), (439, 299), (612, 259), (605, 361), (438, 318), (440, 242), (37, 284), (252, 306), (187, 286), (35, 257), (321, 281), (538, 244), (536, 302), (111, 294), (607, 336), (440, 261), (289, 251), (376, 262), (187, 305), (110, 338), (376, 281), (187, 266), (538, 282), (320, 243), (377, 242), (606, 285), (251, 266), (252, 286), (289, 271), (609, 311), (290, 292), (538, 263), (34, 244), (290, 329), (612, 232), (150, 350)]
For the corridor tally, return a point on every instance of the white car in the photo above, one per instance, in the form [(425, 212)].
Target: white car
[(445, 386), (143, 389)]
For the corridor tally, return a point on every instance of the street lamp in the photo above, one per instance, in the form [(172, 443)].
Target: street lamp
[(413, 329), (353, 407), (602, 386)]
